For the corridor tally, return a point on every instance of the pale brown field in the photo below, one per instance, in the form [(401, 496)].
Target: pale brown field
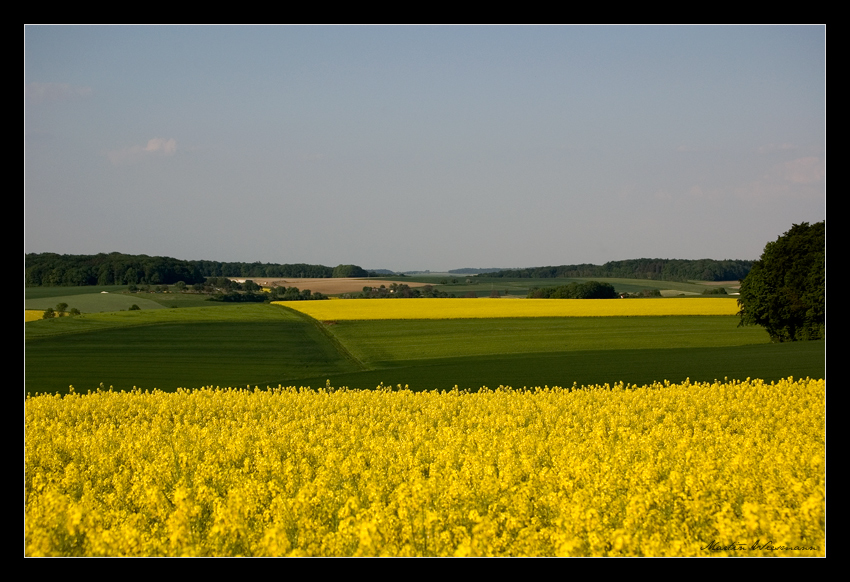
[(328, 286)]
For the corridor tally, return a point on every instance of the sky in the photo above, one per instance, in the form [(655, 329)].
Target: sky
[(422, 147)]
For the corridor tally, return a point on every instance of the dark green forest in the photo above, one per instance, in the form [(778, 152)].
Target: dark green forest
[(588, 290), (656, 269), (54, 270), (51, 270)]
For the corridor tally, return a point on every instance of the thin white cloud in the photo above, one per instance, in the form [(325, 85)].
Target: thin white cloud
[(167, 146), (803, 170), (801, 177), (43, 92), (157, 146)]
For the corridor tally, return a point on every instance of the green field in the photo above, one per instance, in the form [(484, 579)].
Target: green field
[(766, 361), (167, 349), (428, 354), (57, 292), (217, 312), (256, 344), (109, 298), (378, 343), (95, 303)]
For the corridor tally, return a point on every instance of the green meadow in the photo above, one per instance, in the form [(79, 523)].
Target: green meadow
[(632, 366), (260, 345), (102, 299), (381, 343), (167, 349)]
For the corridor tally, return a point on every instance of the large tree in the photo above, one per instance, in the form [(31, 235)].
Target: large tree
[(785, 292)]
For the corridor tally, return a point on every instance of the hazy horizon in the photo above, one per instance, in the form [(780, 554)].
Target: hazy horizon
[(422, 147)]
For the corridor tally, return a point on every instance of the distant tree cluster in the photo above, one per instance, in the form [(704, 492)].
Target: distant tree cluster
[(293, 294), (61, 309), (52, 270), (223, 289), (785, 292), (341, 271), (133, 288), (226, 285), (262, 270), (398, 290), (588, 290), (272, 270), (643, 293), (656, 269), (236, 297)]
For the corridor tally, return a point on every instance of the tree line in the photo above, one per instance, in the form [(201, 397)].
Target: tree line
[(54, 270), (398, 291), (655, 269), (588, 290), (223, 289)]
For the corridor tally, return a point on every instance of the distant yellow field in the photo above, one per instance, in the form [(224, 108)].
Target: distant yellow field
[(421, 308), (32, 314)]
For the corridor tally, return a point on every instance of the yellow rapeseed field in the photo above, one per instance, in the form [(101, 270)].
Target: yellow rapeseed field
[(694, 469), (33, 314), (428, 308)]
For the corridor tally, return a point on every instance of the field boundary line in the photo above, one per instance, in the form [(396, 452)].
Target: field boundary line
[(340, 347)]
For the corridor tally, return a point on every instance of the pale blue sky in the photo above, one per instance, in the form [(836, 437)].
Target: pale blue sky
[(422, 147)]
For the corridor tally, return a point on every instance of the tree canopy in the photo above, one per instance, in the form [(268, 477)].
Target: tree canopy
[(51, 269), (785, 292), (349, 271), (655, 269), (588, 290)]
